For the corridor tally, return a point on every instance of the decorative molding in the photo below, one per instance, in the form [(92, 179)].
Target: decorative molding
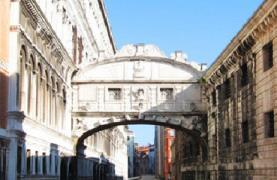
[(45, 31), (15, 28), (140, 50), (242, 43), (18, 115)]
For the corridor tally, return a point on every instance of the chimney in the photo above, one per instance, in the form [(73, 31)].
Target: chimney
[(179, 56)]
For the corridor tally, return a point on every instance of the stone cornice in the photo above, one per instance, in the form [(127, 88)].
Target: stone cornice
[(262, 20), (50, 66), (102, 8), (19, 115), (45, 31), (135, 82), (77, 5), (141, 58)]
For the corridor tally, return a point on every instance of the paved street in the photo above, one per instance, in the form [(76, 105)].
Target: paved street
[(148, 177)]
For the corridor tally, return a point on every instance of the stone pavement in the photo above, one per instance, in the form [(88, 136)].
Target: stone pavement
[(148, 177)]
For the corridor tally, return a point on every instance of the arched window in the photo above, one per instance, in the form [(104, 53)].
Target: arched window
[(58, 105), (21, 79), (63, 107), (40, 96), (64, 96), (53, 102), (32, 87), (46, 96)]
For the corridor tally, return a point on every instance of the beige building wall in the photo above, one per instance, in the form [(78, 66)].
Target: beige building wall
[(241, 98)]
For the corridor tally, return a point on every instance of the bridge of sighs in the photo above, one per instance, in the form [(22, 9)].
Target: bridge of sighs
[(139, 85)]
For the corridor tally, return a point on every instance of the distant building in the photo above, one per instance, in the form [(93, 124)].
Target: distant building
[(159, 145), (169, 139), (151, 163), (131, 153), (145, 158), (164, 137)]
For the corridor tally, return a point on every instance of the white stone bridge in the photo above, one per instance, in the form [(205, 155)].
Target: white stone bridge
[(140, 85)]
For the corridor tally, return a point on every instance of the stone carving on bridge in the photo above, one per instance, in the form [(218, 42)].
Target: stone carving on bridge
[(139, 98), (140, 94), (139, 71), (79, 127), (84, 107), (147, 50)]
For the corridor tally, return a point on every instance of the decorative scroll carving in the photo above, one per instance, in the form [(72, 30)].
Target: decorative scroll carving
[(139, 71), (140, 50)]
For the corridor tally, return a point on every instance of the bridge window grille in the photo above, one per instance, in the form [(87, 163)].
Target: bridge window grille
[(166, 93), (269, 124), (227, 137), (114, 94), (268, 56), (245, 132)]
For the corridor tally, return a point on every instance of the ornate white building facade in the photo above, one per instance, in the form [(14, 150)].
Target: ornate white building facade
[(66, 80), (49, 41)]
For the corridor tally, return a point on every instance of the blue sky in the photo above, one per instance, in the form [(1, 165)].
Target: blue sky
[(201, 29)]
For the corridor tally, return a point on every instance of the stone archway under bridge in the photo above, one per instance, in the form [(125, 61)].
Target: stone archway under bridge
[(193, 124)]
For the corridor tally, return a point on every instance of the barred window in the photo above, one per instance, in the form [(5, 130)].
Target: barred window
[(114, 94), (227, 137), (268, 56), (19, 159), (166, 93), (227, 89), (214, 98), (269, 124), (244, 75), (245, 132)]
